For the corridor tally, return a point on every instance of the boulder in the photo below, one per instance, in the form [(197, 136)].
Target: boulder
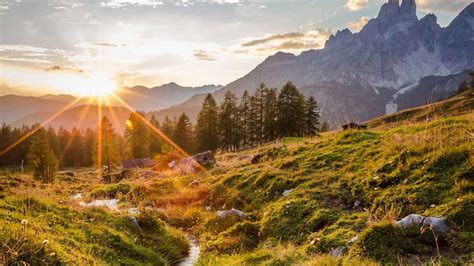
[(440, 224), (205, 159), (231, 212)]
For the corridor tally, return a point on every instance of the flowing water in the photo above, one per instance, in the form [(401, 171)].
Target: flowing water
[(194, 252)]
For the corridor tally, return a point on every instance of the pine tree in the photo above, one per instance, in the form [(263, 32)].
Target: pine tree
[(138, 135), (109, 154), (291, 111), (74, 154), (270, 127), (207, 127), (41, 157), (168, 129), (245, 120), (228, 121), (89, 140), (312, 117), (183, 133), (155, 140)]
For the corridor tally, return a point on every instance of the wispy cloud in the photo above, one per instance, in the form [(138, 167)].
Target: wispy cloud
[(203, 55), (63, 69), (291, 41), (290, 35), (356, 4), (442, 5), (25, 60), (356, 26)]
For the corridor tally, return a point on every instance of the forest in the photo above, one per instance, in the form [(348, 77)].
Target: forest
[(233, 125)]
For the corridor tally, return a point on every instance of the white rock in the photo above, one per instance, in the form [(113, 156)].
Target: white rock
[(440, 224)]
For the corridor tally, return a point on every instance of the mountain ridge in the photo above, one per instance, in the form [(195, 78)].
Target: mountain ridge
[(393, 51)]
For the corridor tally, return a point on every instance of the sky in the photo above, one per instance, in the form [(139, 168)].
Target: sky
[(74, 47)]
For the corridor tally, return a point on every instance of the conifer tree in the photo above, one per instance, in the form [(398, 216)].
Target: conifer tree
[(207, 127), (110, 155), (73, 156), (183, 133), (89, 140), (245, 120), (138, 135), (291, 111), (168, 129), (312, 117), (155, 140), (270, 127), (228, 121), (41, 157)]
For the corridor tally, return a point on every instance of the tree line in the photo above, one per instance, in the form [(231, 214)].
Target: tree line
[(235, 124)]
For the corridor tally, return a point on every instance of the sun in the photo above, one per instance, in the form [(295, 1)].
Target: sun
[(97, 85)]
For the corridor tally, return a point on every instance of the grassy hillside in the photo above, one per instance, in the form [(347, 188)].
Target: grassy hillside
[(328, 200), (42, 225), (457, 105), (349, 184)]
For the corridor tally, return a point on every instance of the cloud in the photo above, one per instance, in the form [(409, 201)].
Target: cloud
[(270, 38), (203, 55), (451, 6), (356, 4), (104, 44), (356, 26), (292, 41), (121, 3), (63, 69), (25, 60)]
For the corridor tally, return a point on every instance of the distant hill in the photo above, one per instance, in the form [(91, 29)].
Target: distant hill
[(28, 109), (13, 107), (457, 105), (72, 117)]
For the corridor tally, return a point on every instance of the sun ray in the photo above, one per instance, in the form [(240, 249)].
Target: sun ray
[(99, 135), (81, 119), (155, 130), (112, 112), (44, 123)]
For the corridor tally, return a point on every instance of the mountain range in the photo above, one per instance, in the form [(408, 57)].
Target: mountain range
[(26, 110), (396, 61)]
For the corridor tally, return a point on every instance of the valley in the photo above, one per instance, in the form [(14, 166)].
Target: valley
[(325, 200)]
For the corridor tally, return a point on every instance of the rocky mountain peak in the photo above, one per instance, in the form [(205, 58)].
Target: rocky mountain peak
[(341, 37), (390, 9), (408, 8)]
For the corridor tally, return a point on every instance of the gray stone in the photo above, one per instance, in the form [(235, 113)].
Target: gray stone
[(440, 224)]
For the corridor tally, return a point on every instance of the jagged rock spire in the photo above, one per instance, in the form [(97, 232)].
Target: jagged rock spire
[(408, 7)]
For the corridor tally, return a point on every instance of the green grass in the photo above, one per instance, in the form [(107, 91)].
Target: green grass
[(424, 168), (55, 234)]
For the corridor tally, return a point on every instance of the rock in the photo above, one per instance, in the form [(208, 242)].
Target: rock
[(205, 159), (287, 192), (135, 222), (208, 208), (440, 224), (172, 164), (352, 240), (357, 203), (195, 182), (231, 212), (337, 252)]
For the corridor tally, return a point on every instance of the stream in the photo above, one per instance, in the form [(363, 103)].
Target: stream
[(194, 250)]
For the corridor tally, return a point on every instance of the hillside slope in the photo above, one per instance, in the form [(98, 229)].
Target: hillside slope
[(318, 194), (456, 105)]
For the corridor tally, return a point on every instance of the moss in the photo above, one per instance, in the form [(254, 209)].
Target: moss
[(91, 236), (387, 243), (239, 238), (110, 191)]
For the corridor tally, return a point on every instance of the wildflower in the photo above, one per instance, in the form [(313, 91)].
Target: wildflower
[(24, 222), (45, 242)]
